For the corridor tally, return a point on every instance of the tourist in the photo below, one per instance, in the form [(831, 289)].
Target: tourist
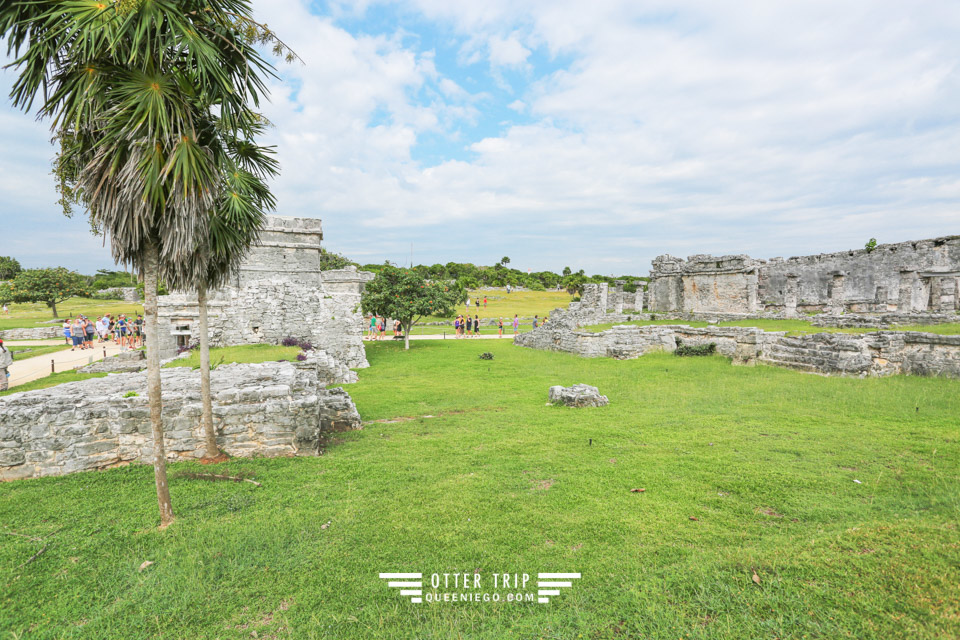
[(66, 331), (138, 332), (101, 330), (121, 328), (396, 328), (516, 324), (468, 303), (536, 320), (484, 302), (476, 325), (89, 330), (371, 332), (456, 326), (76, 333), (6, 359), (500, 328), (469, 325), (6, 309), (382, 326)]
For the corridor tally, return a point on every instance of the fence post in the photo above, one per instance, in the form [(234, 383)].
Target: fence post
[(52, 361)]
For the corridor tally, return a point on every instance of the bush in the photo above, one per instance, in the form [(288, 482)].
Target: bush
[(486, 356), (301, 357), (707, 349), (536, 285), (290, 341)]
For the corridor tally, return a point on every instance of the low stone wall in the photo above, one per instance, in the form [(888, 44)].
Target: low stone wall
[(879, 321), (881, 353), (33, 333), (270, 408)]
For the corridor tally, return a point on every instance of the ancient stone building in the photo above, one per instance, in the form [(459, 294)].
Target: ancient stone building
[(905, 277), (279, 291)]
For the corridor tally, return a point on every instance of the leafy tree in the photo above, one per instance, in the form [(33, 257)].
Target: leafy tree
[(574, 283), (140, 94), (47, 285), (504, 260), (9, 267), (107, 279), (406, 296), (331, 260), (566, 271)]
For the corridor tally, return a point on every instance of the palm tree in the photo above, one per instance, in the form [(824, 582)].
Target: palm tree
[(129, 87), (233, 228)]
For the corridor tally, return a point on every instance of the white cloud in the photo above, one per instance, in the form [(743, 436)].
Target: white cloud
[(683, 126)]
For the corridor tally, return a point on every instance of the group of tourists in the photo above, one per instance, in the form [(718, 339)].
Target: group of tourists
[(80, 332), (378, 328), (465, 326), (476, 302)]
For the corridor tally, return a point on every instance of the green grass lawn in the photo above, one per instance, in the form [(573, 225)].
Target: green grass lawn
[(50, 381), (241, 353), (526, 304), (793, 327), (766, 460), (39, 315)]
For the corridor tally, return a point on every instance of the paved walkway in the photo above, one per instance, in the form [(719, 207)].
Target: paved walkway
[(29, 369), (449, 336)]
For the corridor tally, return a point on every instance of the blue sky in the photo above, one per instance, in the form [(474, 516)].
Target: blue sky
[(596, 135)]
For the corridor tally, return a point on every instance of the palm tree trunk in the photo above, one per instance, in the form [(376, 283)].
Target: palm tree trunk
[(212, 451), (150, 269)]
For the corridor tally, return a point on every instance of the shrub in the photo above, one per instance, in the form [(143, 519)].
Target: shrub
[(707, 349), (290, 341), (301, 357), (130, 394), (486, 356)]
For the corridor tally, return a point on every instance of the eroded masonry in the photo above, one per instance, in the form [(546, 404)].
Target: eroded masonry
[(906, 277), (280, 290)]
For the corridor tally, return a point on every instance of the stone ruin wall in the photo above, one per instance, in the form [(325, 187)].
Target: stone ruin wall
[(270, 408), (279, 291), (882, 353), (905, 278)]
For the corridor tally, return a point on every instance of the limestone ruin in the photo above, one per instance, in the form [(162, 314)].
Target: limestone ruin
[(280, 291), (906, 277)]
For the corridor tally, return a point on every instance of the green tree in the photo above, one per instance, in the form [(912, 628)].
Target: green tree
[(139, 93), (566, 271), (504, 260), (574, 283), (406, 296), (49, 286), (9, 267), (871, 245)]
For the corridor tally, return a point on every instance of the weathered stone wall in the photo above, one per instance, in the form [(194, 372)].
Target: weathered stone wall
[(871, 280), (876, 354), (34, 333), (271, 408), (280, 291), (905, 277)]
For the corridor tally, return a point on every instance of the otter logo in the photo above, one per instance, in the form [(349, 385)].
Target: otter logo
[(409, 584), (475, 587)]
